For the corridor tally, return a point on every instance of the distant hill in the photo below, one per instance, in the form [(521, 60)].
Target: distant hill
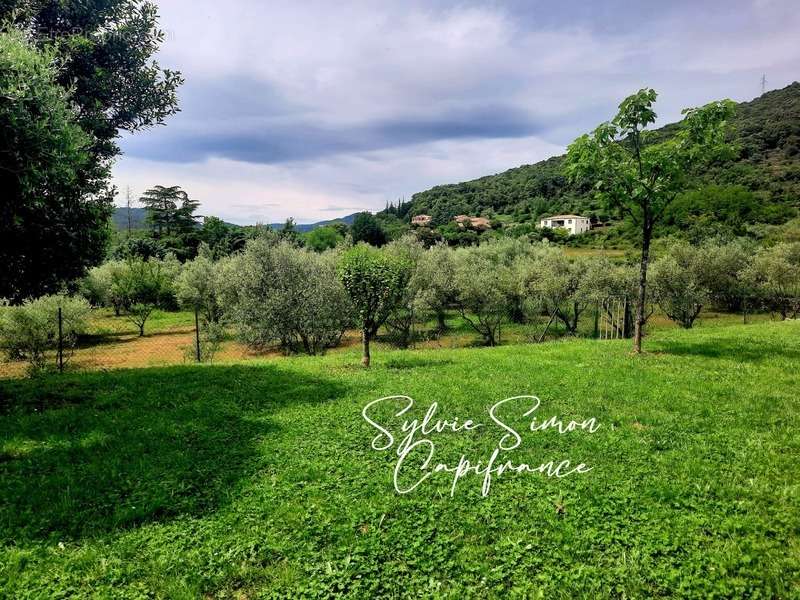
[(306, 227), (767, 131), (138, 220)]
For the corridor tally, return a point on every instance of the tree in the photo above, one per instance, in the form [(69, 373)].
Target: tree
[(401, 320), (678, 283), (277, 292), (375, 283), (434, 280), (30, 331), (106, 49), (55, 224), (640, 173), (51, 227), (774, 277), (484, 286), (142, 286), (163, 205), (323, 238), (221, 238), (197, 288), (366, 228)]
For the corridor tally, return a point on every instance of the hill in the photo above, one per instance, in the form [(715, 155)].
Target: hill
[(138, 220), (765, 176)]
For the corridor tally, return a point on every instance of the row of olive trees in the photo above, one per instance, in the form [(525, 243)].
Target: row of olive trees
[(276, 293)]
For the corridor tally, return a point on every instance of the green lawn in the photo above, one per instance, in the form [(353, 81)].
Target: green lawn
[(258, 480)]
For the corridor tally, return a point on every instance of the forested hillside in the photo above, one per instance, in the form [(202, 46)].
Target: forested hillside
[(761, 186)]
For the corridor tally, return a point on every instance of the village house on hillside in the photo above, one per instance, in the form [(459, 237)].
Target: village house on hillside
[(574, 224), (421, 221), (479, 223)]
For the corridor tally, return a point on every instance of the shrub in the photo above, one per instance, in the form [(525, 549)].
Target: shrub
[(30, 332), (276, 292), (434, 282)]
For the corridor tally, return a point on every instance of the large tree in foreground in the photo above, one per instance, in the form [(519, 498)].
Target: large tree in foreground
[(49, 231), (57, 201), (640, 172)]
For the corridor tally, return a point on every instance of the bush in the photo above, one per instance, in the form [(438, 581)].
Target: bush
[(277, 293), (30, 332), (98, 286)]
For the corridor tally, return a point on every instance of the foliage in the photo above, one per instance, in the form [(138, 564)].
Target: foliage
[(276, 292), (636, 172), (30, 331), (434, 282), (366, 228), (138, 247), (484, 284), (106, 49), (679, 283), (198, 288), (323, 238), (375, 282), (221, 238), (142, 286), (52, 225), (405, 315), (98, 285), (774, 278)]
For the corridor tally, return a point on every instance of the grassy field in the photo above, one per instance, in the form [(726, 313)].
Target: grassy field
[(258, 480)]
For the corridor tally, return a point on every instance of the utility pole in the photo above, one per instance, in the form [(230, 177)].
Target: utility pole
[(763, 83)]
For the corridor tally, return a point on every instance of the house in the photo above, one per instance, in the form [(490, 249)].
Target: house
[(421, 221), (574, 224), (479, 223)]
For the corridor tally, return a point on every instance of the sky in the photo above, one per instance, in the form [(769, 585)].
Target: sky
[(318, 109)]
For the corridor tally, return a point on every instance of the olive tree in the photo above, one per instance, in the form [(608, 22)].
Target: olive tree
[(30, 331), (679, 283), (641, 172), (275, 292), (434, 282), (406, 313), (552, 282), (142, 286), (484, 286), (197, 288), (375, 282), (774, 276)]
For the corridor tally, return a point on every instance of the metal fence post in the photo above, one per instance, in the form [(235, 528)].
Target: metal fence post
[(60, 341), (197, 334)]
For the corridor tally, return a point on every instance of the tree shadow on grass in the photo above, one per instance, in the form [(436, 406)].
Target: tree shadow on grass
[(740, 349), (87, 454)]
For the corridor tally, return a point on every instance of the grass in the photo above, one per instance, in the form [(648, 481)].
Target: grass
[(258, 480)]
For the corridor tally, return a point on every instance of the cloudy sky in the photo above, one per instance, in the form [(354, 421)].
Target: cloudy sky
[(319, 109)]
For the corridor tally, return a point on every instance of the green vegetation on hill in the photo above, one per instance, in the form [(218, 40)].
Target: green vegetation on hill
[(762, 186)]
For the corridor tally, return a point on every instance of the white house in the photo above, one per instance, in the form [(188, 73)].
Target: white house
[(575, 224)]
